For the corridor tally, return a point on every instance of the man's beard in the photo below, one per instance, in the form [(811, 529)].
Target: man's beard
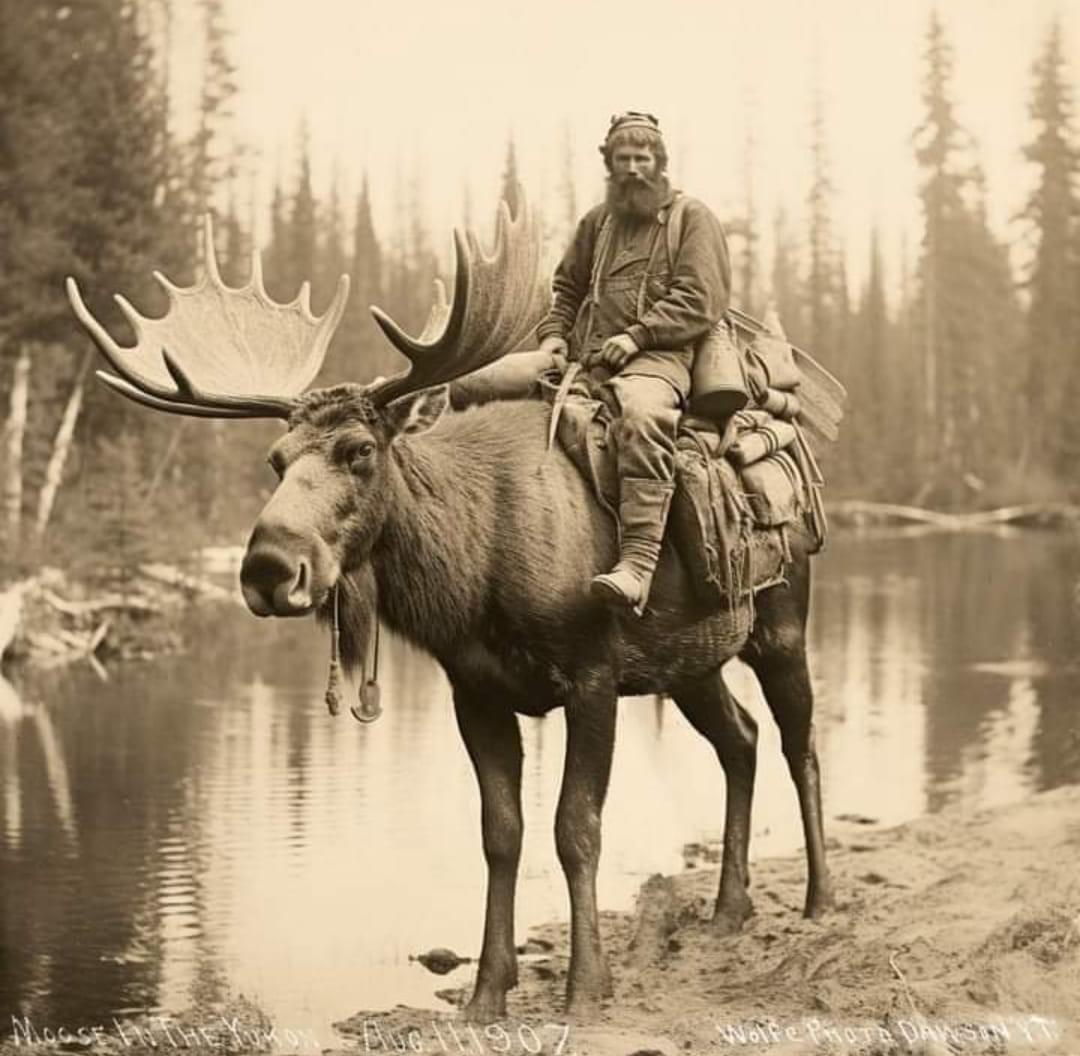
[(636, 197)]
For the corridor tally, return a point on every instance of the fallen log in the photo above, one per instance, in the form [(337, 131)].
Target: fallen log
[(95, 640), (10, 615), (92, 606), (173, 577), (50, 644), (859, 512), (1039, 515)]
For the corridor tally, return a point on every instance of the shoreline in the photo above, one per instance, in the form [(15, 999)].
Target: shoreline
[(955, 932), (54, 617)]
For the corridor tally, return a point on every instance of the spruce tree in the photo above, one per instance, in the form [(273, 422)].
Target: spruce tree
[(234, 242), (747, 264), (511, 181), (276, 266), (823, 293), (787, 288), (1052, 373), (965, 316), (331, 260), (373, 353), (875, 429), (211, 164), (303, 227)]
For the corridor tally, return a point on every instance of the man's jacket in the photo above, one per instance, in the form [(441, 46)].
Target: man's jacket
[(665, 305)]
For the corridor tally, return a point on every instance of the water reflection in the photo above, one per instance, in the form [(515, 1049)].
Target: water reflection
[(200, 827)]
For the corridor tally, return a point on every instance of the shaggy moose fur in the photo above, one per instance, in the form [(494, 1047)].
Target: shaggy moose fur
[(480, 543)]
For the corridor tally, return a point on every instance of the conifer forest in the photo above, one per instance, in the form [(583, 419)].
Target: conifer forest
[(963, 377)]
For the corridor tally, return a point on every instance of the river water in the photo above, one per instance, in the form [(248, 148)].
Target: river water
[(198, 827)]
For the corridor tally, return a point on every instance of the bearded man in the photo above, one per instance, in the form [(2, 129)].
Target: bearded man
[(622, 305)]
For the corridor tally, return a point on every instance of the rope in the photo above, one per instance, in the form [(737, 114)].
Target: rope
[(334, 679), (557, 404), (370, 705)]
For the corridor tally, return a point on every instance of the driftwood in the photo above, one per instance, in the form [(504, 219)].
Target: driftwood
[(10, 615), (1026, 515), (96, 605), (173, 577), (47, 628)]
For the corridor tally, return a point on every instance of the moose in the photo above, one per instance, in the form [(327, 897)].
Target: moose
[(464, 533)]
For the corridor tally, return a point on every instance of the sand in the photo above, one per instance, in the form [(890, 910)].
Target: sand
[(953, 933)]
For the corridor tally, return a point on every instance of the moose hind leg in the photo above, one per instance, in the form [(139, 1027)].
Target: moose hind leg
[(493, 740), (714, 712), (777, 654), (590, 741)]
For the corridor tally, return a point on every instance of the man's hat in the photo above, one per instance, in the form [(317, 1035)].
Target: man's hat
[(632, 119)]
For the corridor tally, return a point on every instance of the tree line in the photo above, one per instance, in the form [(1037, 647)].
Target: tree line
[(961, 375)]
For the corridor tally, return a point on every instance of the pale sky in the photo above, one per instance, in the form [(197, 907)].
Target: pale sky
[(386, 82)]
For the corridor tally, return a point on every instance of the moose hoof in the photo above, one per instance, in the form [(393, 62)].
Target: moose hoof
[(819, 903), (728, 923), (583, 999), (582, 1008), (485, 1008), (732, 912)]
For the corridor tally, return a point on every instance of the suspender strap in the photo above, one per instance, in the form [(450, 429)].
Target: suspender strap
[(654, 241), (670, 222), (601, 252), (599, 261), (673, 225)]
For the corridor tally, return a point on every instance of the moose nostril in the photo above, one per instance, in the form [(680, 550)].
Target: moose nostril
[(301, 593), (274, 582), (266, 569)]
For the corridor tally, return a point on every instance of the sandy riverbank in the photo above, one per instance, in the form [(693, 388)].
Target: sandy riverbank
[(953, 933)]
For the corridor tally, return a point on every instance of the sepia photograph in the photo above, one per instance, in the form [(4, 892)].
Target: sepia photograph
[(540, 527)]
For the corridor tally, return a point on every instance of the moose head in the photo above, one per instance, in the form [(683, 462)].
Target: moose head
[(222, 352)]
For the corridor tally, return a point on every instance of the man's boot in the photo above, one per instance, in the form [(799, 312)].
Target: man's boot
[(643, 512)]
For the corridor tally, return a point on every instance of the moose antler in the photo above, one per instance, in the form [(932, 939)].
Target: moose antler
[(217, 347), (498, 299)]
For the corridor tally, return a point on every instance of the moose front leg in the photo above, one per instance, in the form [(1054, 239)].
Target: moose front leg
[(493, 740), (590, 740)]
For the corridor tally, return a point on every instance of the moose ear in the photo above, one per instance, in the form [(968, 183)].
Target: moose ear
[(417, 412)]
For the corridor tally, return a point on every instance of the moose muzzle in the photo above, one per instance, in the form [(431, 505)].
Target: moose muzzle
[(285, 574), (276, 584)]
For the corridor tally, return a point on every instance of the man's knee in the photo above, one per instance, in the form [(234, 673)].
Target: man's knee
[(644, 401)]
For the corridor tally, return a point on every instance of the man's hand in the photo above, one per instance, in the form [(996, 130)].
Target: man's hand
[(617, 352), (555, 346)]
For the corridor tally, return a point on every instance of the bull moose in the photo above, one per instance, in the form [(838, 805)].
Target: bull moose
[(469, 537)]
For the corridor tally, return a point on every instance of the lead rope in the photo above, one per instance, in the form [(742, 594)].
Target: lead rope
[(334, 680), (370, 707)]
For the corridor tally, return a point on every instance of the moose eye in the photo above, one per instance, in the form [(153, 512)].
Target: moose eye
[(359, 453), (277, 464)]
